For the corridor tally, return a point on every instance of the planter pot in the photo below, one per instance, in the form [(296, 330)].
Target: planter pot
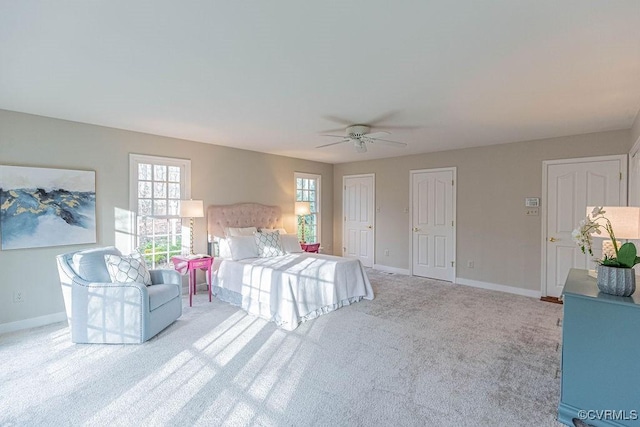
[(616, 281)]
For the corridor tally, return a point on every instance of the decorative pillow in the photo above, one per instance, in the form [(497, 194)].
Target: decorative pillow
[(291, 244), (269, 244), (127, 269), (243, 247), (239, 231)]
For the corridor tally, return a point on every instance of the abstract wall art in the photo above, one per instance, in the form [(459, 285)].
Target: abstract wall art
[(46, 207)]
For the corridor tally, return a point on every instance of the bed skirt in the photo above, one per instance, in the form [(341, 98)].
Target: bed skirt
[(234, 298)]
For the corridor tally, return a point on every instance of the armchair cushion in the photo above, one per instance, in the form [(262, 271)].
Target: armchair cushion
[(162, 294), (90, 265), (126, 269)]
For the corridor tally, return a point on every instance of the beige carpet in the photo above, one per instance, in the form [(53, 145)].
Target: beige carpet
[(422, 353)]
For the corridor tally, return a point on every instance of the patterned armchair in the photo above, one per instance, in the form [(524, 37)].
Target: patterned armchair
[(100, 311)]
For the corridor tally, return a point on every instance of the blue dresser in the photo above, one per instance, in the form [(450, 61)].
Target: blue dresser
[(600, 355)]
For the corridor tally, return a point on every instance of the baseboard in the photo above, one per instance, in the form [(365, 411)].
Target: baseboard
[(34, 322), (388, 269), (496, 287)]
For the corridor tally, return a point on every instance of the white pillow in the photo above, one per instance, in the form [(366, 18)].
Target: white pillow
[(224, 250), (291, 244), (243, 247), (269, 244), (127, 269), (239, 231)]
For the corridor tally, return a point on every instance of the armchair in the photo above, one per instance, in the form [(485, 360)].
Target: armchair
[(99, 311)]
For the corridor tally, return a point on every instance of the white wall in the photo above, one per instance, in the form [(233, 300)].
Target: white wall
[(220, 175), (492, 183)]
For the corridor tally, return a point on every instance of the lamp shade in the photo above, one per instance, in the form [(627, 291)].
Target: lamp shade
[(191, 208), (303, 208), (625, 220)]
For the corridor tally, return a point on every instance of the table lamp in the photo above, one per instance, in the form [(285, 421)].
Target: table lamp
[(625, 221), (302, 209), (191, 209)]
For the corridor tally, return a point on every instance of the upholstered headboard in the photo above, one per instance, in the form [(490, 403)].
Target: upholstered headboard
[(241, 215)]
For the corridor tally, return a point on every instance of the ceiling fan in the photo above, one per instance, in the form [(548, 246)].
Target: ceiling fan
[(360, 136)]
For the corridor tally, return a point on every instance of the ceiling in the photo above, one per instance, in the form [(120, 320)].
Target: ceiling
[(271, 76)]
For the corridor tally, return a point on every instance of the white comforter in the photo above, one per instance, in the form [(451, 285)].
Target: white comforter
[(296, 287)]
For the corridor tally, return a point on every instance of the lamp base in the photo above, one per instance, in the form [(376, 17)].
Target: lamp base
[(608, 250), (191, 237)]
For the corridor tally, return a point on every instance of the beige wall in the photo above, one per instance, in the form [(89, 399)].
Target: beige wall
[(220, 175), (492, 183)]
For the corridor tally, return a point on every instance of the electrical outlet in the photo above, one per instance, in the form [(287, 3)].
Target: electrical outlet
[(18, 296), (386, 252), (470, 264)]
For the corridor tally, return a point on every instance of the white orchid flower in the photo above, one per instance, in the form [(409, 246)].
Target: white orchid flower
[(576, 235)]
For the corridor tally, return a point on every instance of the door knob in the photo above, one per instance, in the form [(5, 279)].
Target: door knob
[(416, 229), (370, 226), (553, 239)]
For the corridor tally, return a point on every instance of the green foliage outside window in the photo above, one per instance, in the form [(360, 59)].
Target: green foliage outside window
[(161, 256)]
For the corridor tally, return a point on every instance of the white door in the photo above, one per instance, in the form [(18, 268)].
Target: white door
[(572, 186), (358, 212), (432, 224), (634, 176)]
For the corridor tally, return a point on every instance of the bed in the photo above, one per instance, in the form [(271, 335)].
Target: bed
[(289, 288)]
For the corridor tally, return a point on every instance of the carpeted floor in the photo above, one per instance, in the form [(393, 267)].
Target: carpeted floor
[(422, 353)]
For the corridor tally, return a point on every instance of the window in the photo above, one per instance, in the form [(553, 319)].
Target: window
[(157, 185), (308, 190)]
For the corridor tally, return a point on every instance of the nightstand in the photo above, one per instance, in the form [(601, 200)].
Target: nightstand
[(310, 247), (182, 264)]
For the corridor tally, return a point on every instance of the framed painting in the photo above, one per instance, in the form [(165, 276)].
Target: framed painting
[(46, 207)]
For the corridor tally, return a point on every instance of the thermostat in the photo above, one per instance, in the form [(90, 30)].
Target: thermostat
[(532, 202)]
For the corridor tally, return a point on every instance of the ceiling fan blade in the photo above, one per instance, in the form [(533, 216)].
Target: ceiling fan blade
[(342, 129), (375, 135), (383, 117), (392, 143), (339, 120), (333, 143), (336, 136), (399, 127)]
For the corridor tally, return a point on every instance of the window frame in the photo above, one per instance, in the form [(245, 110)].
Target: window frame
[(185, 188), (318, 201)]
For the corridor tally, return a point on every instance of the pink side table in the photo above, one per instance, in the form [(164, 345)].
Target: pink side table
[(310, 247), (182, 264)]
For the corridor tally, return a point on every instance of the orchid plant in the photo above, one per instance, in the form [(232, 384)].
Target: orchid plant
[(625, 255)]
